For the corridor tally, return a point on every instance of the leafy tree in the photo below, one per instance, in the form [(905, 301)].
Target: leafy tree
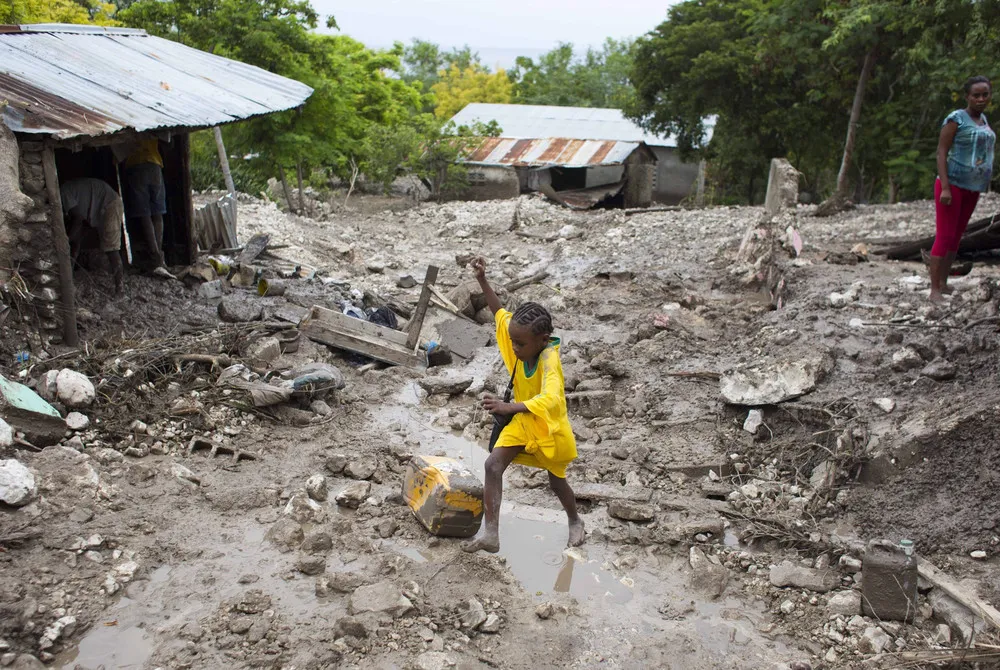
[(386, 150), (58, 11), (443, 146), (599, 79), (458, 87)]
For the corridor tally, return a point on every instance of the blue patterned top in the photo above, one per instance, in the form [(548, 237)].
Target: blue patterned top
[(970, 160)]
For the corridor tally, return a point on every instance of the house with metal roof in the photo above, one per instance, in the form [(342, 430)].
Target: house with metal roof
[(75, 97), (673, 180)]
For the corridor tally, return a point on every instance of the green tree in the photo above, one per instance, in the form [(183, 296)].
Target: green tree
[(558, 77), (58, 11), (443, 146), (458, 87)]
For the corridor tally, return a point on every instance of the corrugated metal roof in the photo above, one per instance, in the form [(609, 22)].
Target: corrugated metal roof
[(71, 81), (579, 123), (565, 152)]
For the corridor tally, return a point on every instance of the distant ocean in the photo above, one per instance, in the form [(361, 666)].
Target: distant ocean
[(499, 57)]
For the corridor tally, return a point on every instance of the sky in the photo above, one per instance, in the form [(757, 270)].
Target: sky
[(498, 29)]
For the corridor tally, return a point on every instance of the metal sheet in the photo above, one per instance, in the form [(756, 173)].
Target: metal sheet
[(71, 81), (550, 151)]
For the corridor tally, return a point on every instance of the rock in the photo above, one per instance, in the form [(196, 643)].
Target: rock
[(433, 660), (304, 509), (787, 573), (264, 351), (184, 474), (387, 528), (545, 611), (905, 359), (942, 635), (317, 541), (782, 187), (311, 564), (774, 382), (258, 631), (239, 309), (335, 463), (591, 404), (753, 421), (7, 434), (823, 475), (240, 625), (361, 469), (383, 597), (17, 484), (706, 576), (75, 421), (609, 492), (960, 619), (471, 614), (491, 625), (350, 626), (47, 385), (844, 603), (286, 534), (375, 267), (24, 410), (74, 389), (211, 290), (750, 491), (354, 495), (445, 385), (978, 554), (253, 601), (64, 626), (317, 488), (406, 281), (786, 607), (885, 404), (873, 641), (320, 408), (631, 511), (940, 370), (850, 564), (27, 662)]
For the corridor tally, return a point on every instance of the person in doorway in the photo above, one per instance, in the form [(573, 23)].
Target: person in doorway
[(146, 198), (539, 433), (965, 167), (92, 202)]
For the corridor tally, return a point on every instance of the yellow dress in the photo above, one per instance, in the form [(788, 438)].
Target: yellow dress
[(544, 431)]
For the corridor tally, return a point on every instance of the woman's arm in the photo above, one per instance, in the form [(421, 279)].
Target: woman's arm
[(945, 140), (479, 269)]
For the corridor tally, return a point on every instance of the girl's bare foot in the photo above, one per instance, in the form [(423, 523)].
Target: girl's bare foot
[(936, 296), (577, 533), (487, 542), (947, 290)]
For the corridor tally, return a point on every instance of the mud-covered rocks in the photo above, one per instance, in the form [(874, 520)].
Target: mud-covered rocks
[(939, 370), (772, 383), (361, 468), (355, 494), (433, 660), (844, 603), (74, 389), (317, 488), (708, 576), (787, 573), (77, 421), (239, 309), (304, 509), (627, 510), (311, 564), (445, 385), (317, 542), (906, 359), (383, 597), (471, 614), (6, 434), (17, 483), (286, 534), (350, 626)]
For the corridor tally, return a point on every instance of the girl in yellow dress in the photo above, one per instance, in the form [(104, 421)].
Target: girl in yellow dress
[(539, 434)]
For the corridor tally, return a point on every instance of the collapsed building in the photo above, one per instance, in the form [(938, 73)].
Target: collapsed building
[(75, 93), (560, 149)]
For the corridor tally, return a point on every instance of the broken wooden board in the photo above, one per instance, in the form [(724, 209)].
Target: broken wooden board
[(344, 332), (962, 595)]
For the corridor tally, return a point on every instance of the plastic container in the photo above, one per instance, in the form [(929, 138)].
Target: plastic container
[(889, 581), (444, 495)]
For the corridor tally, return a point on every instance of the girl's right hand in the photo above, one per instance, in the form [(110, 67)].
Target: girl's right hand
[(945, 198), (478, 265)]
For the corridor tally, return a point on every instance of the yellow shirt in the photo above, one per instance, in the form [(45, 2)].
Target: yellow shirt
[(148, 152), (544, 431)]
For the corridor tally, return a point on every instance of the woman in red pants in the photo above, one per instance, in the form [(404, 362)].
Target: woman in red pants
[(965, 167)]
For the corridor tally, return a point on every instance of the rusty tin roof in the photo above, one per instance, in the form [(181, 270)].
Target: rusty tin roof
[(71, 81), (551, 151)]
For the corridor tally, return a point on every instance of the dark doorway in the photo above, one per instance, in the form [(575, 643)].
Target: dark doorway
[(568, 179)]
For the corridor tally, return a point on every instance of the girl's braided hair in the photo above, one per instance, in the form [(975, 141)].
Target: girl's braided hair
[(534, 317), (978, 79)]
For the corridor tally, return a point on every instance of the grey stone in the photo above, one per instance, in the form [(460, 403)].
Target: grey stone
[(591, 404), (311, 564), (787, 573), (27, 662), (211, 290), (631, 511), (471, 614), (874, 640), (253, 601), (317, 541), (258, 631), (406, 281), (773, 383), (963, 623), (17, 484), (383, 597), (844, 603), (707, 577), (286, 534), (74, 389), (335, 463), (433, 660), (782, 187), (444, 385), (387, 528), (77, 421), (609, 492), (905, 359), (265, 351), (239, 309), (940, 370), (240, 625), (317, 488), (320, 408), (360, 469), (354, 495), (304, 509), (491, 625), (350, 626)]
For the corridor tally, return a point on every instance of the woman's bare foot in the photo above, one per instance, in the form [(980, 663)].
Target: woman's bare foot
[(577, 533), (936, 296), (947, 290), (487, 542)]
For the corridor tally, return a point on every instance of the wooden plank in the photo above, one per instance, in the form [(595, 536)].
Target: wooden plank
[(356, 336), (338, 321), (67, 288), (417, 322), (942, 581)]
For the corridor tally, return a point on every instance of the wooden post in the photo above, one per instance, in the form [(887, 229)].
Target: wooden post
[(302, 195), (61, 242), (699, 196), (284, 186), (224, 161), (417, 322), (184, 147)]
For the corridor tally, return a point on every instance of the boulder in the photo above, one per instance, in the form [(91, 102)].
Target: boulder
[(787, 573), (471, 614), (77, 421), (707, 576), (239, 309), (445, 385), (381, 598), (360, 469), (844, 603), (264, 351), (317, 488), (286, 534), (773, 383), (354, 495), (17, 484), (74, 389), (940, 370), (905, 359), (24, 410), (304, 509), (631, 511)]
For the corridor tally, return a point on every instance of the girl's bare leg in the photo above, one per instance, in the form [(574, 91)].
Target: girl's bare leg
[(489, 538), (561, 487)]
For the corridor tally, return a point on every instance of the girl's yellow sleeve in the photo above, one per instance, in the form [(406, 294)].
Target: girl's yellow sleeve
[(502, 318), (550, 403)]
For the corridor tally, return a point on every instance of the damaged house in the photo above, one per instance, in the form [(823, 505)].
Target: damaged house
[(575, 161), (73, 95)]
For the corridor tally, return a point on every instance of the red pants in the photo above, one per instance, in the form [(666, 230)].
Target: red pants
[(951, 220)]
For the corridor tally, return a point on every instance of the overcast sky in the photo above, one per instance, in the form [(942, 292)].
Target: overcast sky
[(492, 25)]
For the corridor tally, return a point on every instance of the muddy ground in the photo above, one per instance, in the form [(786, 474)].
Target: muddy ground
[(139, 553)]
